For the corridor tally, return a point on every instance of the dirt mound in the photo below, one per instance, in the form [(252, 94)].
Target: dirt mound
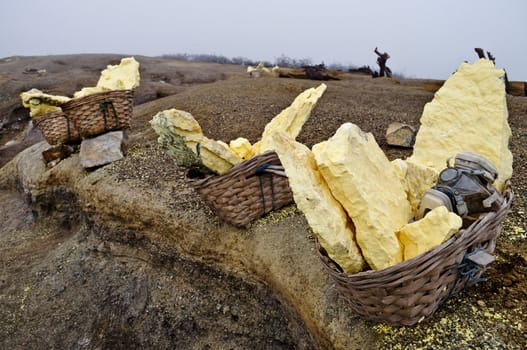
[(128, 256)]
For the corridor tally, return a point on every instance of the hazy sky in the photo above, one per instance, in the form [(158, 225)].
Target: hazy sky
[(425, 39)]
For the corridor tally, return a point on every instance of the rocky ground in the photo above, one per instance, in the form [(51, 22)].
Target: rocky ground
[(128, 256)]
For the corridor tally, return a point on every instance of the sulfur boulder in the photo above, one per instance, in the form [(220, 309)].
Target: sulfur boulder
[(468, 113)]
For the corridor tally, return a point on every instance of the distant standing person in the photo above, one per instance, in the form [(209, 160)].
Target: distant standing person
[(381, 61)]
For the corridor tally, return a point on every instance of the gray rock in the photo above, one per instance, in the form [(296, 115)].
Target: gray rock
[(101, 150), (399, 134)]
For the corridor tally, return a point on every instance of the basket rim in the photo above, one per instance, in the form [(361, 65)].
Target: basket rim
[(49, 115), (244, 166), (85, 99)]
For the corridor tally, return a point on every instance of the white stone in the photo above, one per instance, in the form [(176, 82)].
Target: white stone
[(468, 113), (325, 215), (363, 180)]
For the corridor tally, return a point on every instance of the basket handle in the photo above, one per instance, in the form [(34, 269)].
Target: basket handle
[(68, 127), (269, 169), (103, 107)]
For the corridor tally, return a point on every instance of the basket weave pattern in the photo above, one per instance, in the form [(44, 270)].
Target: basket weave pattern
[(246, 192), (57, 128), (101, 112), (414, 289)]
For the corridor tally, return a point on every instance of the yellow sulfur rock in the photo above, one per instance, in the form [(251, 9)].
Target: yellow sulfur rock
[(39, 102), (242, 147), (223, 144), (173, 124), (217, 155), (416, 179), (468, 113), (362, 179), (324, 214), (87, 91), (291, 119), (432, 230), (124, 76)]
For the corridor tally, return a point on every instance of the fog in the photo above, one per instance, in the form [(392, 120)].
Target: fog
[(424, 39)]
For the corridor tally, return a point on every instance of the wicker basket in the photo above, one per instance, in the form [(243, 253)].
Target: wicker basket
[(415, 289), (57, 128), (101, 112), (248, 191)]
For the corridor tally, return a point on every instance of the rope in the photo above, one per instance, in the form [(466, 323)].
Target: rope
[(103, 107), (465, 268), (260, 171), (468, 268), (262, 194), (68, 129)]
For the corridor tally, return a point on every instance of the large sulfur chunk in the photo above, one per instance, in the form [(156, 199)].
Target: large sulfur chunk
[(291, 119), (181, 134), (124, 76), (468, 113), (324, 214), (363, 180), (432, 230), (40, 103)]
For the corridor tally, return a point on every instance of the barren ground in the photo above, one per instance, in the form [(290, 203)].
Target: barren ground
[(84, 271)]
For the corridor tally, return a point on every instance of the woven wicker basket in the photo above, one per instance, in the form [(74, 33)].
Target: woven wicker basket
[(101, 112), (57, 128), (248, 191), (415, 289)]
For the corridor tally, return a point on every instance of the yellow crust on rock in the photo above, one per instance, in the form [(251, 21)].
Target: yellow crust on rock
[(215, 155)]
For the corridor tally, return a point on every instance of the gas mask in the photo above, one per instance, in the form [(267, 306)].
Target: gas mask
[(465, 188)]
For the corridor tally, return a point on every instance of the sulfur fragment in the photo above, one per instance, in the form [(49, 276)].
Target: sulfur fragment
[(432, 230), (291, 119), (242, 147), (416, 179)]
